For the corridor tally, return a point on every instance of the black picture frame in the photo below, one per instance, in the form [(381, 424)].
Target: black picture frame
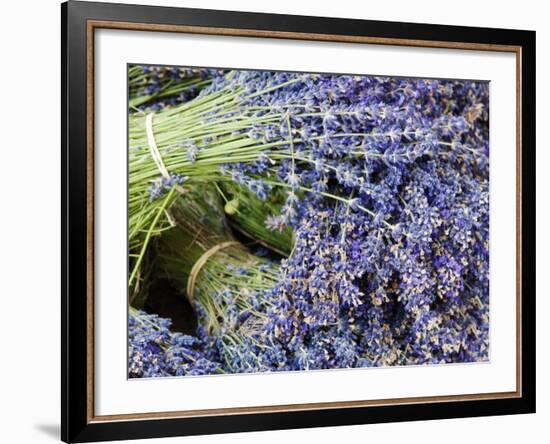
[(77, 425)]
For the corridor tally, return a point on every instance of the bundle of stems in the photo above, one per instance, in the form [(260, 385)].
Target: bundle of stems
[(186, 144), (175, 133), (227, 285)]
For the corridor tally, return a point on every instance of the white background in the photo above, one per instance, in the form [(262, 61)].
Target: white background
[(117, 395), (29, 226)]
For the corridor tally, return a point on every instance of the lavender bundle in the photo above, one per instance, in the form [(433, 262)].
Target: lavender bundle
[(228, 286), (191, 143)]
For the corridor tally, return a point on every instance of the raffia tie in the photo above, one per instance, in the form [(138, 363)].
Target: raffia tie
[(155, 153), (197, 267)]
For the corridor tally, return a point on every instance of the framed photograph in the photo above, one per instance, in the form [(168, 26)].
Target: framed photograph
[(276, 221)]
